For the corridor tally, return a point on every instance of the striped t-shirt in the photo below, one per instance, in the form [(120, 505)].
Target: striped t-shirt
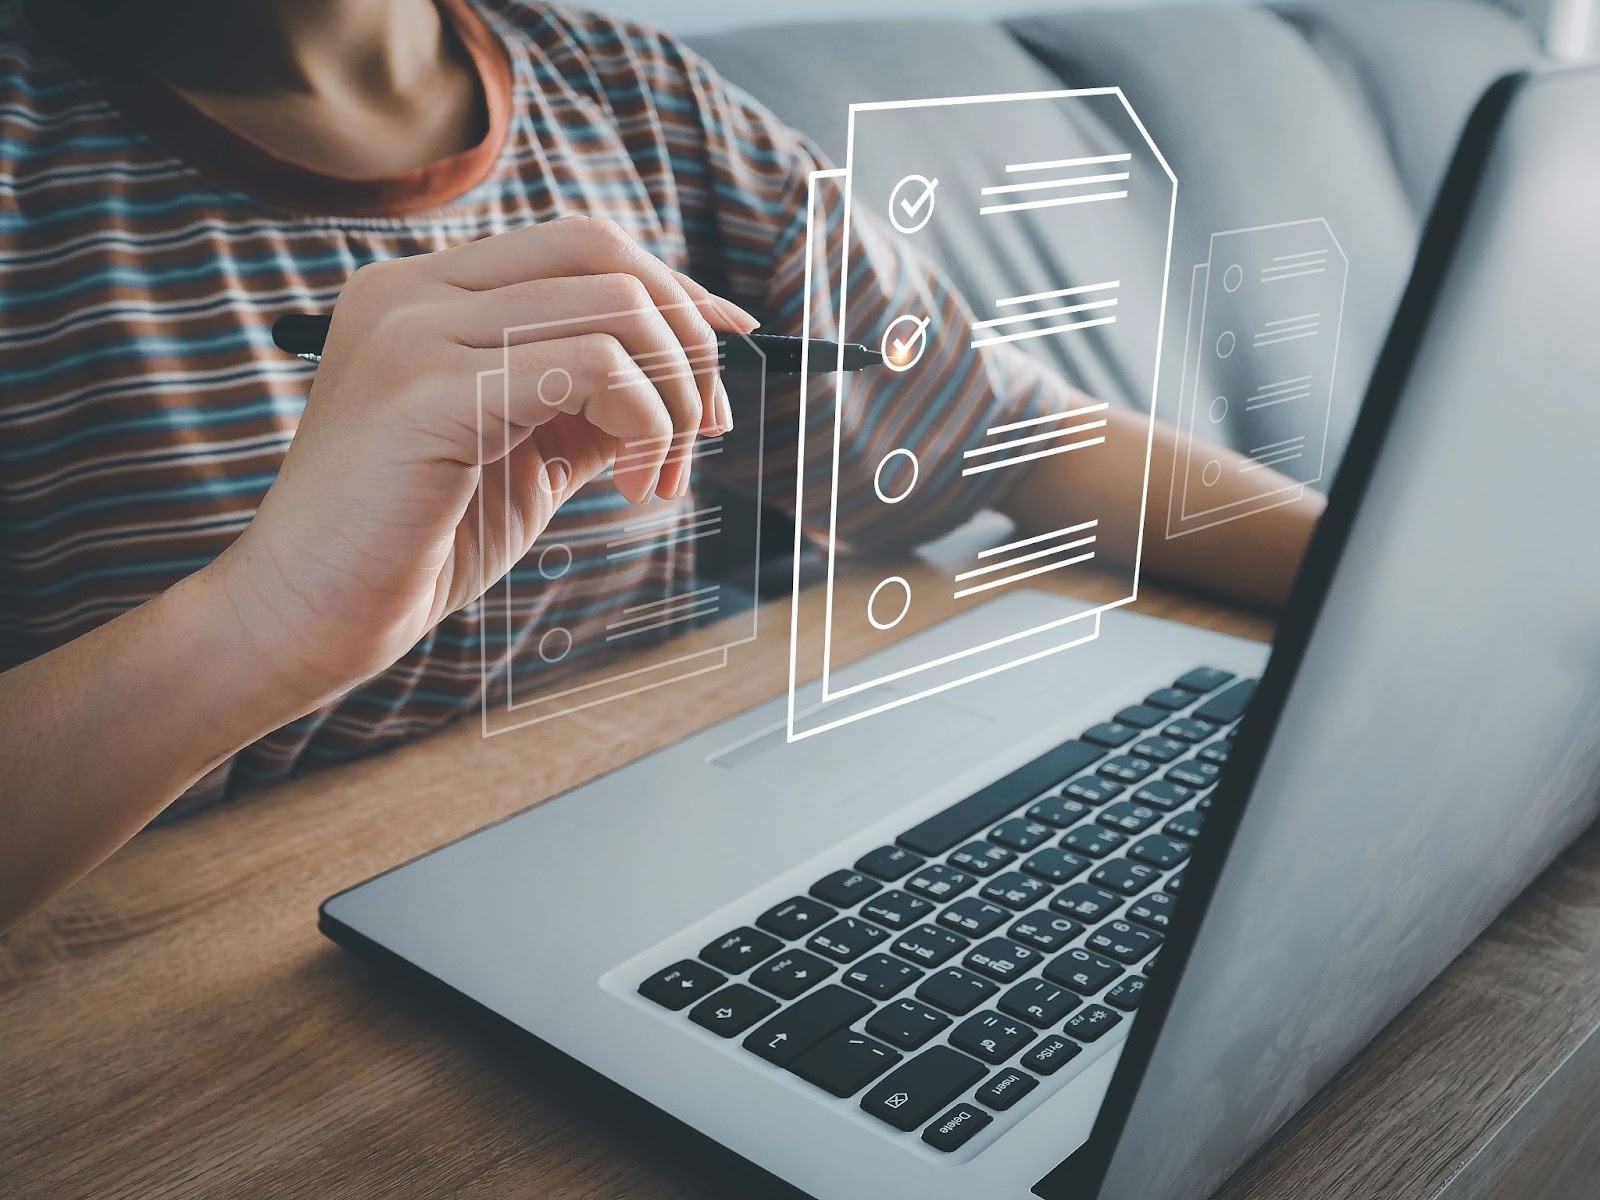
[(145, 250)]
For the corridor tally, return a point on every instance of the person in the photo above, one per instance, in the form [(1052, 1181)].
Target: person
[(215, 577)]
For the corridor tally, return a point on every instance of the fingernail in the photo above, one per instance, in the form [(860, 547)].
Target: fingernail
[(556, 476), (725, 409), (738, 316)]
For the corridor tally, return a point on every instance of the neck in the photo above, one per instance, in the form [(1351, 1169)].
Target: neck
[(374, 48)]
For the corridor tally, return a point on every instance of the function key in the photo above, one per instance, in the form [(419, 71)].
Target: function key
[(896, 909), (955, 991), (740, 950), (791, 973), (1170, 699), (907, 1024), (1141, 716), (889, 863), (1124, 942), (1163, 794), (1110, 734), (920, 1086), (991, 1037), (846, 940), (1086, 902), (843, 1063), (1002, 959), (1120, 875), (1203, 679), (1227, 705), (956, 1128), (1044, 931), (802, 1025), (1015, 890), (1129, 817), (1092, 1023), (1082, 971), (939, 882), (1159, 850), (1094, 840), (1187, 729), (844, 889), (1055, 866), (973, 917), (982, 858), (1039, 1002), (1092, 789), (929, 945), (1185, 825), (731, 1011), (680, 985), (1195, 774), (1005, 1089), (795, 918), (1019, 833), (1050, 1055), (1127, 994), (1059, 811), (1153, 909), (1158, 749), (1215, 752), (1126, 768)]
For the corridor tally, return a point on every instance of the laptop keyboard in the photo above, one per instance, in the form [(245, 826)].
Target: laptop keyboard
[(943, 978)]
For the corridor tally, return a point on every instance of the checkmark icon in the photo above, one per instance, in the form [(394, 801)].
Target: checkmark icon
[(925, 199), (904, 341), (911, 203)]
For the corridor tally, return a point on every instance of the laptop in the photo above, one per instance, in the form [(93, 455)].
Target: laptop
[(1027, 940)]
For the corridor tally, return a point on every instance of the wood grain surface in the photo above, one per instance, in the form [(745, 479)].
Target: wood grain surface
[(175, 1027)]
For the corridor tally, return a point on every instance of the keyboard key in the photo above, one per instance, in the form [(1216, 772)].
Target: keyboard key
[(1120, 875), (1055, 866), (1019, 833), (1126, 768), (907, 1024), (1141, 716), (791, 973), (1044, 931), (843, 889), (896, 909), (1059, 811), (1175, 884), (1160, 851), (1128, 816), (1092, 1023), (1153, 910), (1092, 789), (955, 991), (1002, 959), (1163, 794), (1216, 752), (929, 945), (880, 976), (1227, 705), (1039, 1002), (1124, 942), (982, 858), (1158, 749), (1096, 841), (847, 939), (1195, 774), (731, 1011), (680, 985), (889, 863), (796, 918), (1187, 729), (1203, 679), (1050, 1055), (1127, 994), (1185, 825), (956, 1128), (1084, 972), (1110, 734), (1086, 902), (740, 950), (920, 1086), (982, 809), (991, 1037), (1015, 890), (843, 1063), (1170, 699), (802, 1025), (973, 917), (939, 882), (1005, 1089)]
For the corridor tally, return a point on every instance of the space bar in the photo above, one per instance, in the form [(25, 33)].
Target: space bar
[(982, 809)]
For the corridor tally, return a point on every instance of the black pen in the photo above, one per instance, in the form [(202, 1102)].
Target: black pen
[(303, 335)]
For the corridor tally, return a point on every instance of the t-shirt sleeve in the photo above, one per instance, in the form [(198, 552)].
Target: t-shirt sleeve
[(756, 177)]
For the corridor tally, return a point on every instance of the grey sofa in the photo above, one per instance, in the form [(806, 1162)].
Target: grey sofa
[(1346, 109)]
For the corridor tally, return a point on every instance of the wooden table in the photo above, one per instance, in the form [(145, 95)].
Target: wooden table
[(175, 1027)]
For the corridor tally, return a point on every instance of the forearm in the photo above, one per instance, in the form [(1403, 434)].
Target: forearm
[(1251, 560), (99, 735)]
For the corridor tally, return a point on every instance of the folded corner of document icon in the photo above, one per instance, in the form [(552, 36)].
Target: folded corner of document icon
[(1074, 169)]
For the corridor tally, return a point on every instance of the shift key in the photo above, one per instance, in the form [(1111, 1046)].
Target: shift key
[(910, 1094)]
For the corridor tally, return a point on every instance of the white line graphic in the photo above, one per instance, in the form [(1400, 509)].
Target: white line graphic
[(1056, 163), (990, 209), (994, 583), (1070, 291), (996, 322), (1040, 185), (1007, 564), (1068, 531), (1022, 458), (1060, 416), (1037, 437), (1025, 335), (678, 599), (704, 610)]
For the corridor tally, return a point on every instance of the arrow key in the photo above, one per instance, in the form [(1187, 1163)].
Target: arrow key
[(791, 973), (800, 1026), (680, 985), (731, 1011)]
